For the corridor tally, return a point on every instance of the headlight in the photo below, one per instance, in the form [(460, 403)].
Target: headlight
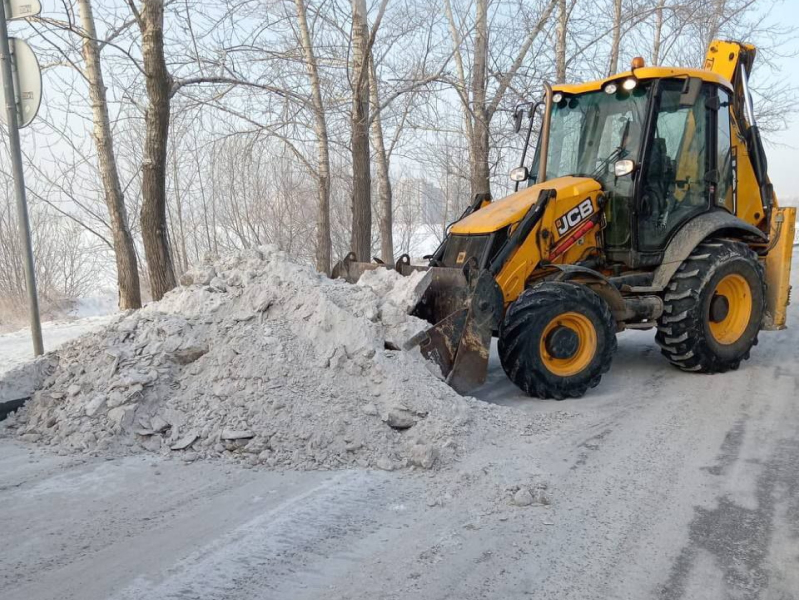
[(557, 97), (611, 88), (624, 167), (519, 174), (629, 84)]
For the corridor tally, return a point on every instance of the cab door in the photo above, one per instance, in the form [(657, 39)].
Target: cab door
[(676, 179)]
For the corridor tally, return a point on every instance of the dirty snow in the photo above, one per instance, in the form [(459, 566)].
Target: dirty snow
[(261, 360)]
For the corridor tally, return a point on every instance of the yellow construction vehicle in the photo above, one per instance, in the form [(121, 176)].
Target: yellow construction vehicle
[(647, 205)]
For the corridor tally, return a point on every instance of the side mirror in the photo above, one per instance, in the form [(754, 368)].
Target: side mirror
[(624, 167), (518, 119), (519, 174)]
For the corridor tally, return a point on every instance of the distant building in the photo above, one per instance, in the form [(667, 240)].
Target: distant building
[(419, 202)]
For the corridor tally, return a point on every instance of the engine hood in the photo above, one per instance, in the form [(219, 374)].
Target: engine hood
[(511, 209)]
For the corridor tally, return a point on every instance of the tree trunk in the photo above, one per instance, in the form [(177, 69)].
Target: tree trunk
[(323, 250), (154, 160), (616, 34), (561, 42), (462, 81), (657, 35), (479, 144), (479, 158), (124, 251), (718, 12), (183, 258), (384, 183), (361, 240)]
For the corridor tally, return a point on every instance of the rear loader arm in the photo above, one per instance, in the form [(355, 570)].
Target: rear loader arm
[(734, 61)]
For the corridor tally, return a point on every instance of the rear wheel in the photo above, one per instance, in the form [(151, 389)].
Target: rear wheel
[(713, 308), (556, 340)]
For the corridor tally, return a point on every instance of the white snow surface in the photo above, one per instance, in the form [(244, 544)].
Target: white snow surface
[(261, 360), (101, 304), (16, 348)]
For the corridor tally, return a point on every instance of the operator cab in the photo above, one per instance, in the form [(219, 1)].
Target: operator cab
[(660, 148)]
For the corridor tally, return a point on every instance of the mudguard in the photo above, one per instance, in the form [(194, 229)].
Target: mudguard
[(694, 232), (598, 283)]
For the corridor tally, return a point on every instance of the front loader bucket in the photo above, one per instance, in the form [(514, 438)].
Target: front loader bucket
[(466, 313), (464, 307)]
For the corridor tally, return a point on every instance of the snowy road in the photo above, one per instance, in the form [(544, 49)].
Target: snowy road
[(663, 485), (16, 347)]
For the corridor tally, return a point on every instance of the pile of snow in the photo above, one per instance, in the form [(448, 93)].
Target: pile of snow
[(258, 359)]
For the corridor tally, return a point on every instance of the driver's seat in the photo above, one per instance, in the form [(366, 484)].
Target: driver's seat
[(657, 181)]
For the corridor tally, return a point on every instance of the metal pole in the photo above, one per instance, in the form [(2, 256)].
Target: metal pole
[(544, 136), (748, 100), (19, 181)]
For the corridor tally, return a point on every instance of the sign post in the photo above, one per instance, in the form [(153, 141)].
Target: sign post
[(14, 114)]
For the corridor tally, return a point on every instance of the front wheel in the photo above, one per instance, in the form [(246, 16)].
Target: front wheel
[(556, 340)]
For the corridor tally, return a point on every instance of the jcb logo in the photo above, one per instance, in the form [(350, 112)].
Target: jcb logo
[(574, 216)]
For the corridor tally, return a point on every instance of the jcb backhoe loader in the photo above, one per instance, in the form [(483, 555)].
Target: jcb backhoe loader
[(647, 205)]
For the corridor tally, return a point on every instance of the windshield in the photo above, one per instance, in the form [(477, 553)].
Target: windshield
[(589, 132)]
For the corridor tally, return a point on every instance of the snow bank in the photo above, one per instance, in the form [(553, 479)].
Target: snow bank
[(257, 359)]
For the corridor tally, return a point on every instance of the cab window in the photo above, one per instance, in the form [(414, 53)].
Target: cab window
[(724, 191), (589, 133), (674, 187)]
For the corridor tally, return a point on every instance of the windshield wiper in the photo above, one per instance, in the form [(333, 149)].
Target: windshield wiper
[(619, 151)]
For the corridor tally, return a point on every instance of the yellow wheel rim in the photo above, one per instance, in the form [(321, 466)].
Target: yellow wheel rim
[(730, 327), (586, 346)]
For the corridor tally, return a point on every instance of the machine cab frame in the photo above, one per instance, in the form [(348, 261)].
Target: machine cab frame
[(661, 149)]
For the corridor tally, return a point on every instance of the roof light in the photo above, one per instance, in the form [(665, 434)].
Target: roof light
[(629, 84), (611, 88), (637, 63), (558, 97)]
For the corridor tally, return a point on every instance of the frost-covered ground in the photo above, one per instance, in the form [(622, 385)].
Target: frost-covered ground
[(661, 485), (16, 347)]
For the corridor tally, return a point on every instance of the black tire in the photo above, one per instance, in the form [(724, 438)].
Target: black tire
[(527, 320), (685, 329)]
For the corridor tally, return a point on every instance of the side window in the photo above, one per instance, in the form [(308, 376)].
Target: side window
[(724, 192), (674, 187)]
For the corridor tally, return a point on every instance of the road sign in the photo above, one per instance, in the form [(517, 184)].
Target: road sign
[(19, 9), (27, 82)]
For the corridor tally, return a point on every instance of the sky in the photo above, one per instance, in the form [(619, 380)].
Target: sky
[(783, 154)]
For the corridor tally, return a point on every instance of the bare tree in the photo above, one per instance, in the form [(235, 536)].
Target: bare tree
[(616, 37), (124, 251), (154, 164), (382, 172), (659, 27), (478, 104), (561, 42), (323, 170), (362, 41)]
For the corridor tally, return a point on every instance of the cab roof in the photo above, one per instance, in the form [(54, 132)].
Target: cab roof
[(642, 74)]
